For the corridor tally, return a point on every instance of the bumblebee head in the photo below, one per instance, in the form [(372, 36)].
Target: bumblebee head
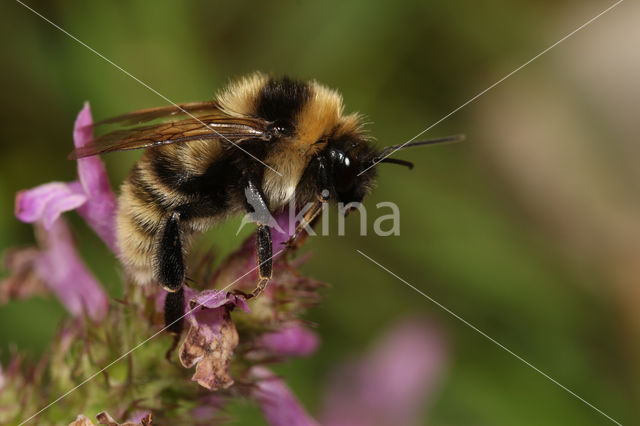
[(350, 164), (342, 169)]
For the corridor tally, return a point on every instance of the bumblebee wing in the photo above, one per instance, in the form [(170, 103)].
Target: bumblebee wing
[(206, 126), (172, 112)]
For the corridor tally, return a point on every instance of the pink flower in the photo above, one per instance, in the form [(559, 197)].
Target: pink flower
[(279, 406), (212, 338), (66, 274), (292, 340), (57, 263), (91, 194), (388, 386), (283, 229)]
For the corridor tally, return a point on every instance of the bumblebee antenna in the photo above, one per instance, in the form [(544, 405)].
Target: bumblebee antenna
[(393, 148), (406, 163)]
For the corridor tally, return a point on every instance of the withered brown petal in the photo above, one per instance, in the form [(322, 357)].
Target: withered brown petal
[(82, 420), (209, 345), (105, 419)]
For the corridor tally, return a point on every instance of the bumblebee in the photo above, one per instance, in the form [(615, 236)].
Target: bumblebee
[(262, 141)]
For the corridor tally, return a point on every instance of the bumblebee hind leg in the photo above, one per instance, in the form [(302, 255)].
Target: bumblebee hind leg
[(173, 313), (170, 272), (170, 261)]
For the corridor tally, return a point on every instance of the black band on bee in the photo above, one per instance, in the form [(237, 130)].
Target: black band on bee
[(144, 191), (280, 100), (168, 170)]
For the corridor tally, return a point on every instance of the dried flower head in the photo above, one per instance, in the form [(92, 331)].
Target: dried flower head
[(212, 338)]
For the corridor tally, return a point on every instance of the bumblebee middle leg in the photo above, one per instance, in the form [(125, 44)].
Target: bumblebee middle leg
[(264, 258)]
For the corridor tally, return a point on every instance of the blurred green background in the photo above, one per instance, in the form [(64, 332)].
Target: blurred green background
[(529, 230)]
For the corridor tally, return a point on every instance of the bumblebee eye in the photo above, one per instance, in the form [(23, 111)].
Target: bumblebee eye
[(345, 172)]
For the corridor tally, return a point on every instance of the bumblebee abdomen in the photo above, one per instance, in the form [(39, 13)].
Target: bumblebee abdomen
[(139, 221), (154, 188), (142, 210)]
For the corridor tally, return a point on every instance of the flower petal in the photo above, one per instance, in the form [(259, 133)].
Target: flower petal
[(140, 419), (91, 194), (283, 231), (47, 202), (212, 338), (101, 206), (388, 386), (60, 267), (82, 420), (209, 346), (23, 282), (3, 380), (279, 406), (210, 407), (293, 340), (215, 298)]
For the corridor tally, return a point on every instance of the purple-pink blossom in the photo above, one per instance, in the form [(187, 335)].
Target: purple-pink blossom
[(57, 263), (290, 340), (60, 267), (279, 406), (282, 231), (91, 194), (390, 385)]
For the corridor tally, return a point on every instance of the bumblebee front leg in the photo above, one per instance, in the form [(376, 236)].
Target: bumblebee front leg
[(307, 220), (324, 183), (257, 206)]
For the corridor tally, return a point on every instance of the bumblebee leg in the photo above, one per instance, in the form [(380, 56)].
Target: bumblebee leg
[(264, 258), (324, 183), (307, 220), (170, 262), (257, 206), (173, 313)]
